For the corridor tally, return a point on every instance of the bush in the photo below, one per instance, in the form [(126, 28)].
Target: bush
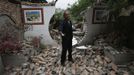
[(9, 44)]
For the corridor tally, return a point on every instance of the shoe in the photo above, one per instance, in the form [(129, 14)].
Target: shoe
[(62, 64), (71, 60)]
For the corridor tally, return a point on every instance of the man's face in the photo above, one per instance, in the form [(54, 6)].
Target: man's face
[(66, 15)]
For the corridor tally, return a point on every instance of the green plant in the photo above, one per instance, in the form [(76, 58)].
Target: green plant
[(80, 6)]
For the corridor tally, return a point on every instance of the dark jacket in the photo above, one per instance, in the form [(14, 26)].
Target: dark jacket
[(66, 28)]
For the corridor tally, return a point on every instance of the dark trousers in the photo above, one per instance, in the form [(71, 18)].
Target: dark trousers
[(66, 47)]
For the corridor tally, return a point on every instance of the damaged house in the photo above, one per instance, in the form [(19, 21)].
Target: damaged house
[(107, 45), (113, 32), (23, 20)]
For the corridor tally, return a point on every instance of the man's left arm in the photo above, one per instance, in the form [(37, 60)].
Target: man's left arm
[(61, 28)]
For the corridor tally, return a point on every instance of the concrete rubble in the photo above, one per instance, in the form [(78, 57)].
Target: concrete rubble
[(115, 39), (47, 62)]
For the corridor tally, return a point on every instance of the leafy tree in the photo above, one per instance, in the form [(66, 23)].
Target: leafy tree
[(115, 6), (79, 6)]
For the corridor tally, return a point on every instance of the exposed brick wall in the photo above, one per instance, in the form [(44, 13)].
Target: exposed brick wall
[(12, 10), (11, 22)]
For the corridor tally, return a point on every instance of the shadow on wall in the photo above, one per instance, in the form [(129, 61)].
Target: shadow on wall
[(54, 28), (126, 25)]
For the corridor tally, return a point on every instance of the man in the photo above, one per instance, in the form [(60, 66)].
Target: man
[(66, 33)]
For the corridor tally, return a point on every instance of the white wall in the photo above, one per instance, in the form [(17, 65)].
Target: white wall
[(92, 29), (42, 29)]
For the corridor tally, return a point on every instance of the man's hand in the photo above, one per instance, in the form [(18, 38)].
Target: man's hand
[(62, 34)]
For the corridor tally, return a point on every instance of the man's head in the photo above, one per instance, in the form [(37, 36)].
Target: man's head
[(66, 15)]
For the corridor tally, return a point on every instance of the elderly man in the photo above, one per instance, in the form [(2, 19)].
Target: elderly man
[(66, 33)]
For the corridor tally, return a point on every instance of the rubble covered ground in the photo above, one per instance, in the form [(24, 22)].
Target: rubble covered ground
[(91, 61), (47, 62)]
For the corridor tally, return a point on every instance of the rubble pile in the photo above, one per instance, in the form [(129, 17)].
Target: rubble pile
[(115, 39), (114, 42), (112, 45), (131, 67), (27, 49), (47, 62), (37, 64)]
